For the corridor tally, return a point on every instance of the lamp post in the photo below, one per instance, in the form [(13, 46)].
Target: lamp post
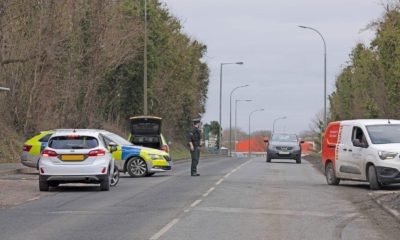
[(276, 119), (258, 110), (220, 99), (236, 102), (4, 89), (230, 117), (145, 105), (323, 39)]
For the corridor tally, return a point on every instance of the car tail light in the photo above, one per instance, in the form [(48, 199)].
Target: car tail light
[(49, 153), (26, 148), (165, 148), (97, 153)]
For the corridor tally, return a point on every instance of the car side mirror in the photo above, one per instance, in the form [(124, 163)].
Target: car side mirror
[(112, 147)]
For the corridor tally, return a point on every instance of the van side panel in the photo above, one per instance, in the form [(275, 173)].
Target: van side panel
[(330, 142)]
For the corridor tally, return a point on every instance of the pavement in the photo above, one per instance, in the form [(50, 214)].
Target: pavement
[(234, 198)]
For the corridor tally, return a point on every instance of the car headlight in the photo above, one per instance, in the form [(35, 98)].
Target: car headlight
[(387, 155), (155, 156)]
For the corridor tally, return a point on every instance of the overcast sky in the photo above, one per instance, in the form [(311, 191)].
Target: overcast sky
[(283, 64)]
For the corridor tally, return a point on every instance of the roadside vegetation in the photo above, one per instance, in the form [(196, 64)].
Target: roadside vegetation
[(369, 85), (79, 64)]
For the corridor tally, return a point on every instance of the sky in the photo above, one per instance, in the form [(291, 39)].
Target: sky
[(283, 64)]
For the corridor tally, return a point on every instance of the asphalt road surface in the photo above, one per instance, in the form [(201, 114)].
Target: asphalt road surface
[(232, 199)]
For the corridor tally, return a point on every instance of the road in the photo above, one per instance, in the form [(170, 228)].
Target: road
[(232, 199)]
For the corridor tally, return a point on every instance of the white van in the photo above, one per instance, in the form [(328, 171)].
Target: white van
[(362, 150)]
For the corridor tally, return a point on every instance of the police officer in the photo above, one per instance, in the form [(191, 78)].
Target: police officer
[(194, 138)]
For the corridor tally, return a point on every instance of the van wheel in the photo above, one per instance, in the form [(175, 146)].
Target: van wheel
[(137, 167), (43, 184), (331, 178), (373, 179)]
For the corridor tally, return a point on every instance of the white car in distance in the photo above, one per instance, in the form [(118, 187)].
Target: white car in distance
[(77, 156)]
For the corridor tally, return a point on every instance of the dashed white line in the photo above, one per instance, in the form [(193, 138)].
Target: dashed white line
[(164, 229), (219, 182), (195, 203), (208, 192)]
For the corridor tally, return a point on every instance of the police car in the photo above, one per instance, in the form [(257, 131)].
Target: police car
[(33, 147)]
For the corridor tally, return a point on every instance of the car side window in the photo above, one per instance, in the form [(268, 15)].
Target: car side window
[(358, 135), (45, 138), (106, 141)]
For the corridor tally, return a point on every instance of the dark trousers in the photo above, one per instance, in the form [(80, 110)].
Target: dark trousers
[(195, 160)]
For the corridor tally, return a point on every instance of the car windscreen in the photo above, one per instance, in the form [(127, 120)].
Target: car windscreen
[(73, 142), (120, 141), (384, 134), (284, 138)]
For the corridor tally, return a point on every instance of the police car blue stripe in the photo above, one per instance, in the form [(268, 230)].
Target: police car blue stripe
[(130, 152)]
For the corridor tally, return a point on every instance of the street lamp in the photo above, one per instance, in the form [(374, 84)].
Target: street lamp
[(258, 110), (276, 119), (4, 89), (236, 102), (323, 39), (145, 61), (230, 117), (220, 99)]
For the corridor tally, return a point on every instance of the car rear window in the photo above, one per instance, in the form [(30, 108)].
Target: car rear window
[(73, 142)]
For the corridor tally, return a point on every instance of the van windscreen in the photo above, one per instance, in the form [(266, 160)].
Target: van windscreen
[(384, 134)]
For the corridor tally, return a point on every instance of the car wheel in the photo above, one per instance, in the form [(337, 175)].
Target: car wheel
[(298, 160), (54, 184), (137, 167), (268, 158), (43, 184), (373, 179), (105, 183), (331, 178), (115, 177)]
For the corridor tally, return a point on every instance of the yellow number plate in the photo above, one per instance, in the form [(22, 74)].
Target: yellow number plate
[(72, 157)]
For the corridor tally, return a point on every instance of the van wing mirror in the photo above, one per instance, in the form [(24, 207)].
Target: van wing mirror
[(112, 146), (302, 141)]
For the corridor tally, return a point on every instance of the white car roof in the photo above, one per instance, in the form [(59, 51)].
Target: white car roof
[(368, 122), (86, 132)]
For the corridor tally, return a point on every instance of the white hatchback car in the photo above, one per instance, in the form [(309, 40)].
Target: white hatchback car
[(77, 156)]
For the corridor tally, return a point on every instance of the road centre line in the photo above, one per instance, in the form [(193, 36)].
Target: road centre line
[(219, 182), (195, 203), (209, 191), (164, 229)]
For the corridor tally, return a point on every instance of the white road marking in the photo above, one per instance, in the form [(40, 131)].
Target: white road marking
[(219, 182), (195, 203), (209, 191), (164, 229)]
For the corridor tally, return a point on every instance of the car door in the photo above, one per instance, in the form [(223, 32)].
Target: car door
[(344, 155), (358, 152), (117, 155)]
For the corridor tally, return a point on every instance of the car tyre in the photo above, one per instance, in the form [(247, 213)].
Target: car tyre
[(115, 177), (373, 179), (151, 174), (105, 183), (298, 160), (331, 178), (268, 158), (43, 184), (137, 167), (54, 184)]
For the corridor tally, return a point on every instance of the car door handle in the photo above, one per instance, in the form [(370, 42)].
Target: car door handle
[(345, 149)]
